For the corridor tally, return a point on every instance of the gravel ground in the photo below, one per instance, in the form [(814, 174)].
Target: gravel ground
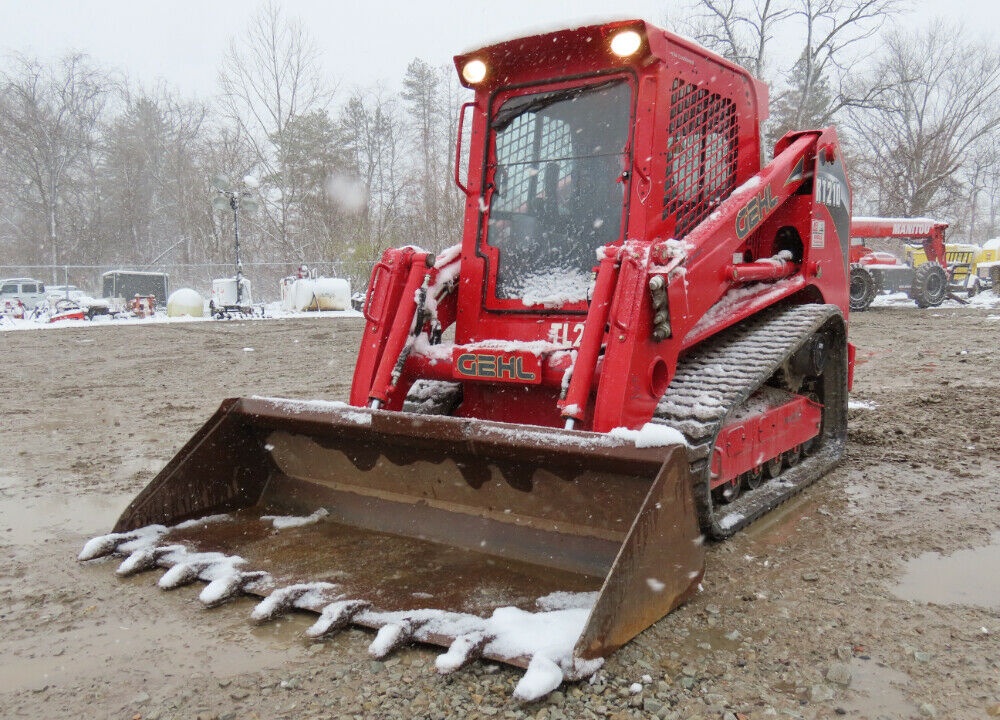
[(800, 615)]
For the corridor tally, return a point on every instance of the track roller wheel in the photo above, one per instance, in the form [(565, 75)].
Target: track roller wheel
[(772, 468), (754, 478), (793, 456), (727, 493)]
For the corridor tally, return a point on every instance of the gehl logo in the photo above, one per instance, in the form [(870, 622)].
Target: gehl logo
[(752, 214), (498, 367)]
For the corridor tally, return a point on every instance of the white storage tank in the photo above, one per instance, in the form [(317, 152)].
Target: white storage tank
[(224, 293), (185, 302), (316, 294)]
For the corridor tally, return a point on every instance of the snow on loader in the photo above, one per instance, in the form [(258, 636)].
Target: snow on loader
[(536, 488)]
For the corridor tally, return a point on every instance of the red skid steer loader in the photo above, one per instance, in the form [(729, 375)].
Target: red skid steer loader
[(641, 340)]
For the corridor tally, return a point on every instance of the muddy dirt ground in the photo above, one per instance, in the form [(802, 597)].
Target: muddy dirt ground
[(802, 615)]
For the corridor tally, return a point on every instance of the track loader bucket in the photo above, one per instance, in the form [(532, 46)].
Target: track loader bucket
[(545, 549)]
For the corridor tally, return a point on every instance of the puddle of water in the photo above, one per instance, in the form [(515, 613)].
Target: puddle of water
[(691, 643), (966, 577), (876, 691), (27, 521), (776, 527)]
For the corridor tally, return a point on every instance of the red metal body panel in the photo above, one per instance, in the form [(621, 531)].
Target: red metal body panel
[(720, 237), (743, 446)]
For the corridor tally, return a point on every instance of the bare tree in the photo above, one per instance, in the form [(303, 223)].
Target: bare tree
[(812, 92), (153, 194), (940, 102), (833, 28), (270, 77), (976, 202), (49, 120), (739, 30)]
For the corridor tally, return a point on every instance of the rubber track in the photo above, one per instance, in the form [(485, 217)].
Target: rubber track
[(719, 375)]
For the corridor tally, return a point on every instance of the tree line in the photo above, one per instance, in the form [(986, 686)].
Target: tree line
[(97, 170)]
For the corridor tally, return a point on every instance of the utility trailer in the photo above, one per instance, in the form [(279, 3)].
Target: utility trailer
[(121, 287)]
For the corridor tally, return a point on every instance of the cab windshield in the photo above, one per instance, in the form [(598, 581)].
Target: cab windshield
[(558, 188)]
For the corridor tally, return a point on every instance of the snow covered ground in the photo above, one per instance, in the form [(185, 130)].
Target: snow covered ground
[(272, 311), (902, 300)]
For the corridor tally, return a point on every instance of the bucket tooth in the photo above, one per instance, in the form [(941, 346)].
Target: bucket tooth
[(300, 595), (183, 573), (104, 545), (542, 677), (145, 558), (335, 617), (225, 588), (192, 566), (462, 651), (393, 636)]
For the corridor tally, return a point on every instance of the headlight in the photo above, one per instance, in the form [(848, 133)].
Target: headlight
[(474, 71), (626, 43)]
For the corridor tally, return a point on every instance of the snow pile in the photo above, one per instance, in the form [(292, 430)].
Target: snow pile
[(188, 567), (986, 299), (731, 520), (282, 522), (650, 435), (555, 289), (107, 544), (548, 637), (461, 652), (228, 585), (301, 595)]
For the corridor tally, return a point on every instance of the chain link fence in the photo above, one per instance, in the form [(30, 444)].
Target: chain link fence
[(264, 277)]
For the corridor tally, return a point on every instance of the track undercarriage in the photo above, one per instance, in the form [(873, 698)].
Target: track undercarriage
[(773, 359)]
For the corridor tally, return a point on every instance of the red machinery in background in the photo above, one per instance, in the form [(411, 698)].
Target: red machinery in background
[(927, 284)]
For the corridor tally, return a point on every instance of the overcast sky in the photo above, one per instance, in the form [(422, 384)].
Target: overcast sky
[(182, 41)]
